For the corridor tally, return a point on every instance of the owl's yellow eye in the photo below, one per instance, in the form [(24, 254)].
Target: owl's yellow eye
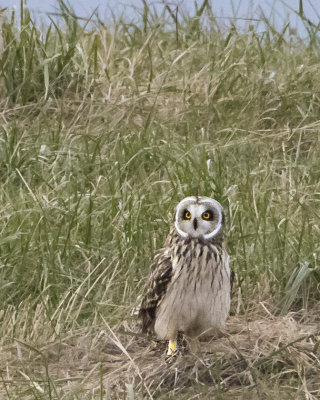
[(186, 214), (207, 215)]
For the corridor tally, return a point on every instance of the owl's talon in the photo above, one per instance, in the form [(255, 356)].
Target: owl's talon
[(172, 351), (172, 348)]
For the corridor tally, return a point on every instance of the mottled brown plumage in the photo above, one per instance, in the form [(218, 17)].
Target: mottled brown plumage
[(161, 271)]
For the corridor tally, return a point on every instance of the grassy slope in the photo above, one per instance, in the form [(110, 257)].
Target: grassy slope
[(104, 130)]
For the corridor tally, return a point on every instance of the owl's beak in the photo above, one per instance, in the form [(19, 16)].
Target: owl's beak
[(195, 224)]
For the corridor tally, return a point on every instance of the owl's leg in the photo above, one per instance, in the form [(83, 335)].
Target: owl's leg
[(172, 348)]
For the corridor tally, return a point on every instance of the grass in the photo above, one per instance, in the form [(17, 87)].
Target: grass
[(103, 130)]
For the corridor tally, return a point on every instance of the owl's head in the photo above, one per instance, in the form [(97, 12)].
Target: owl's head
[(198, 216)]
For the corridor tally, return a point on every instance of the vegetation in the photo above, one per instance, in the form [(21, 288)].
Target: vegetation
[(103, 130)]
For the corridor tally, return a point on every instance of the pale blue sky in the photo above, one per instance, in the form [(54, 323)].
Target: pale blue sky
[(276, 9)]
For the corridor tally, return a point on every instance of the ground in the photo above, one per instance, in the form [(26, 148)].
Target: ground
[(267, 357)]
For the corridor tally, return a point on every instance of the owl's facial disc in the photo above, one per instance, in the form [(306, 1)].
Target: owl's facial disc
[(198, 217)]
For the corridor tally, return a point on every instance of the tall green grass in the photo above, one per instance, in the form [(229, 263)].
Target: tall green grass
[(105, 128)]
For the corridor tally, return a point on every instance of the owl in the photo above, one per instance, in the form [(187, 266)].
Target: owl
[(188, 289)]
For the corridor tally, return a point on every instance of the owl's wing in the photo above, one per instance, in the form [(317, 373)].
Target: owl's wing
[(160, 276), (232, 279)]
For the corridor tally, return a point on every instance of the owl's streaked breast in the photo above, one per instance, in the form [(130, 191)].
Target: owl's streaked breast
[(198, 296)]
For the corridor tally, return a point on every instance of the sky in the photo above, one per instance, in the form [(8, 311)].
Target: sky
[(278, 10)]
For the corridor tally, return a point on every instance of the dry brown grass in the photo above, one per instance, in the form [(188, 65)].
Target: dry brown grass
[(257, 358)]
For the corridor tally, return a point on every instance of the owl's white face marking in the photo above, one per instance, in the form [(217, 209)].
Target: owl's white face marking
[(198, 217)]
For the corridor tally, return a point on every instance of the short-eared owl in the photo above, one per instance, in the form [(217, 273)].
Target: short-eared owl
[(189, 285)]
